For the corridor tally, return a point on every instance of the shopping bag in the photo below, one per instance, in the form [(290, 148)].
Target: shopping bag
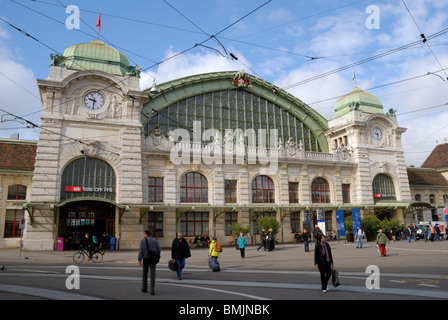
[(335, 278)]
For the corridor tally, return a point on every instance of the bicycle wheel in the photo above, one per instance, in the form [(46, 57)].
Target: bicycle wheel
[(79, 257), (97, 257)]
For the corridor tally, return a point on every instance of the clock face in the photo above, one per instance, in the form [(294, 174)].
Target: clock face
[(94, 100), (377, 134)]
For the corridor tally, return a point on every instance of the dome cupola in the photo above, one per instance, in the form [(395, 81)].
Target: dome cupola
[(357, 99)]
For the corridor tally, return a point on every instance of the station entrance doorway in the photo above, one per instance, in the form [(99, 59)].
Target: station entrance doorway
[(78, 218)]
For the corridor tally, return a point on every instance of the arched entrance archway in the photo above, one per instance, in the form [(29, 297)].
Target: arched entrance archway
[(88, 189), (80, 217)]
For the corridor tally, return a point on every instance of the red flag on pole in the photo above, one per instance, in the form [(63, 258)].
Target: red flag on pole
[(98, 22)]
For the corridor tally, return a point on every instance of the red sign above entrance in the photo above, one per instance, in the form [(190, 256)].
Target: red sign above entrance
[(377, 195), (73, 189)]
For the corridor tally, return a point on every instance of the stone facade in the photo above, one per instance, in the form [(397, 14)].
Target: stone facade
[(103, 122)]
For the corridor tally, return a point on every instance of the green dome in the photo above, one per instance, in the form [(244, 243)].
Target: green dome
[(95, 55), (357, 99)]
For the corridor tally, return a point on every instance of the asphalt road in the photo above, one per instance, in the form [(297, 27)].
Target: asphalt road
[(411, 271)]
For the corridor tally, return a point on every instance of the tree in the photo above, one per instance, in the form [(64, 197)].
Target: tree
[(238, 228), (269, 223)]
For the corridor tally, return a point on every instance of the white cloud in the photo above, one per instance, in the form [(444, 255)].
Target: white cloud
[(18, 95), (192, 63)]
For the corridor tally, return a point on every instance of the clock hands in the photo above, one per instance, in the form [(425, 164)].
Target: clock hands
[(96, 99)]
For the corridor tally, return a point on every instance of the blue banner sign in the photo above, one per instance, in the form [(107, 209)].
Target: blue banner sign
[(340, 223), (356, 219)]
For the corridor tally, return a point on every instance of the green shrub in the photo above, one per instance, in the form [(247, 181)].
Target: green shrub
[(269, 223), (238, 228)]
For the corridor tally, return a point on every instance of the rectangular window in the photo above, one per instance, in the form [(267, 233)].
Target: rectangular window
[(293, 192), (194, 223), (155, 224), (230, 188), (16, 192), (155, 189), (231, 220), (329, 221), (295, 222), (12, 221), (346, 193), (432, 198)]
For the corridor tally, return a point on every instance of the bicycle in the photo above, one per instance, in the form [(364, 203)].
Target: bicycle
[(79, 256)]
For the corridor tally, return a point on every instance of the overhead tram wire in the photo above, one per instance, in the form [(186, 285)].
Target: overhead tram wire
[(424, 39), (229, 39), (381, 86), (311, 58), (122, 18), (437, 34), (156, 64), (33, 125)]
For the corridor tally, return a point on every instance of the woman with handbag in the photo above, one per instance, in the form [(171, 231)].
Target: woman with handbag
[(323, 260)]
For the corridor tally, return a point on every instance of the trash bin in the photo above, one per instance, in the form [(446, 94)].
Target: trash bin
[(59, 244), (350, 237), (112, 243)]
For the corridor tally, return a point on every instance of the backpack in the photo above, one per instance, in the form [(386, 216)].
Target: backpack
[(217, 247)]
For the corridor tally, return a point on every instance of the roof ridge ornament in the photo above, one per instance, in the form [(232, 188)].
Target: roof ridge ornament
[(240, 79)]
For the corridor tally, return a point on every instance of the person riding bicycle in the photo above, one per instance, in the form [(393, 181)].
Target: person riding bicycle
[(89, 245)]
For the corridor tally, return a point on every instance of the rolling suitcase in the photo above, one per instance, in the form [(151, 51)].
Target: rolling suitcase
[(214, 264)]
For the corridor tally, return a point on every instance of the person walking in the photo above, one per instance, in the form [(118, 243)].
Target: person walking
[(149, 252), (358, 236), (214, 253), (414, 231), (271, 240), (306, 236), (438, 235), (180, 250), (425, 232), (242, 244), (409, 233), (316, 233), (381, 240), (432, 232), (262, 240), (323, 260)]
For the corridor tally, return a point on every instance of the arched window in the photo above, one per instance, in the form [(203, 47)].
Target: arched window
[(89, 177), (383, 188), (320, 191), (263, 190), (16, 192), (418, 197), (234, 109), (193, 188)]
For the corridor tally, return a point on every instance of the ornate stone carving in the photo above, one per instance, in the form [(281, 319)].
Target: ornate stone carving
[(157, 139)]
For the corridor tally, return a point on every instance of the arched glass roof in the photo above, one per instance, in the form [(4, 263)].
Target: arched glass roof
[(217, 103)]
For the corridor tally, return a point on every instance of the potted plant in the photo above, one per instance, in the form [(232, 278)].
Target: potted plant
[(370, 224)]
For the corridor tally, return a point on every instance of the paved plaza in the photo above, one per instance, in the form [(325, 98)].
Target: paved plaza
[(415, 270)]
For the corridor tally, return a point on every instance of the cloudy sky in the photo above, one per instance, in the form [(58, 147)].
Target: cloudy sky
[(309, 48)]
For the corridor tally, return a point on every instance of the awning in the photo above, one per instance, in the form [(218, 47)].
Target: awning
[(29, 207)]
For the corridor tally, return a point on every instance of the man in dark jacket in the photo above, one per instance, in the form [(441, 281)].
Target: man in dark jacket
[(179, 252), (149, 252), (323, 260)]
